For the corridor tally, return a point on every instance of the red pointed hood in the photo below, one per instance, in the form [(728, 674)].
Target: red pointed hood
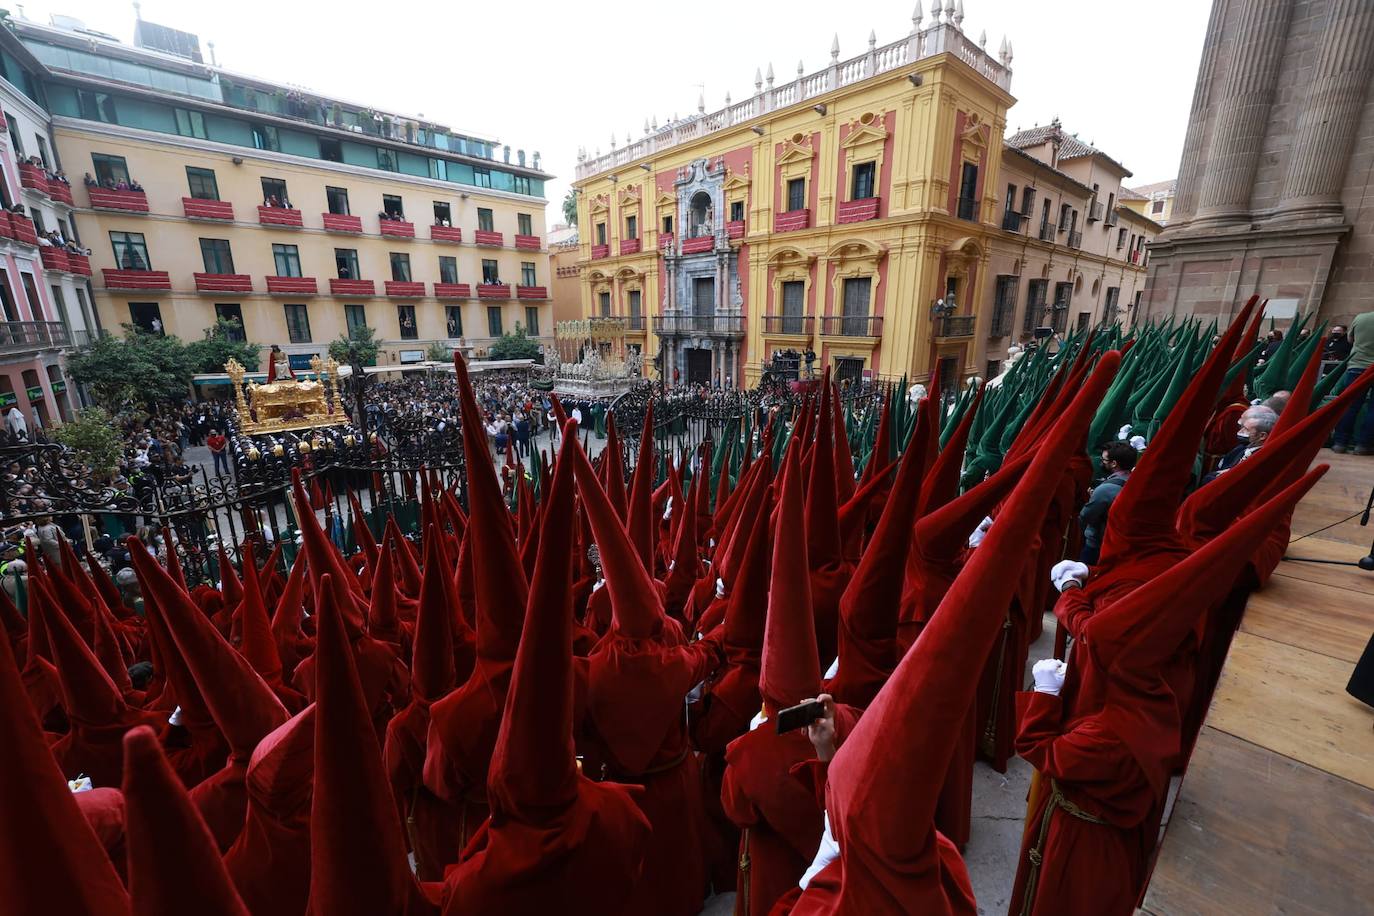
[(881, 812), (258, 644), (383, 622), (1300, 400), (879, 458), (789, 669), (746, 608), (722, 479), (613, 469), (407, 567), (111, 655), (822, 509), (1235, 392), (686, 567), (431, 670), (52, 861), (323, 558), (640, 523), (844, 457), (286, 619), (109, 592), (230, 586), (88, 695), (362, 535), (173, 859), (942, 484), (173, 559)]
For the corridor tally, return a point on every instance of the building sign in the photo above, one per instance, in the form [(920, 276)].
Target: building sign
[(8, 399), (300, 360), (35, 393), (412, 356), (58, 387)]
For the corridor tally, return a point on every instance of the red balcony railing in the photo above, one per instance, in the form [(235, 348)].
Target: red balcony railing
[(61, 191), (126, 201), (486, 237), (280, 216), (342, 287), (600, 251), (699, 244), (136, 279), (665, 240), (629, 246), (224, 283), (398, 228), (792, 220), (857, 211), (295, 285), (342, 222), (493, 291), (531, 292), (80, 264), (21, 229), (446, 234), (404, 289), (734, 229), (195, 208), (33, 177), (55, 259), (527, 242), (452, 291)]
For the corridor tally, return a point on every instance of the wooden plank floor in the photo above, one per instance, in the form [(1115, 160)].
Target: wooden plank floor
[(1276, 812)]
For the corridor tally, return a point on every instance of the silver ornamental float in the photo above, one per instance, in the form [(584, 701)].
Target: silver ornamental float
[(590, 358)]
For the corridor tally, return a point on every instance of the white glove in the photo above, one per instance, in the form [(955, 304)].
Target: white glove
[(1049, 676), (720, 588), (175, 717), (1066, 571), (1124, 431), (980, 532), (1138, 443), (668, 510)]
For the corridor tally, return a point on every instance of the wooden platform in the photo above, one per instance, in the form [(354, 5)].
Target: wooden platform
[(1276, 812)]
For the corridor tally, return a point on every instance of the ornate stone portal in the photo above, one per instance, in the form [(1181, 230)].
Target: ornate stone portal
[(590, 358), (288, 406)]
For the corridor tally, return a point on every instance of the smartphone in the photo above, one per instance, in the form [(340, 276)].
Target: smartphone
[(800, 716)]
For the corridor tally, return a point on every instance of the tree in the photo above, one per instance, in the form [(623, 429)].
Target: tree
[(95, 438), (570, 207), (139, 368), (222, 343), (515, 346), (438, 353), (358, 345)]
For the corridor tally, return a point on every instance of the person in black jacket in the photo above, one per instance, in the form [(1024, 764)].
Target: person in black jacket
[(1118, 459)]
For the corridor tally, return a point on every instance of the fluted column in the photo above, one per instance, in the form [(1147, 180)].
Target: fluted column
[(1243, 110), (1331, 112), (1185, 192)]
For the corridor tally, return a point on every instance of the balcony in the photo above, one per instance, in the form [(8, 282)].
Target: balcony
[(61, 192), (452, 291), (123, 201), (788, 325), (1095, 209), (280, 216), (953, 326), (493, 290), (629, 246), (397, 228), (529, 242), (33, 177), (136, 279), (1075, 238), (224, 283), (488, 238), (851, 326), (340, 286), (635, 324), (342, 222), (531, 292), (699, 244), (968, 209), (792, 220), (1111, 219), (299, 286), (1047, 232), (79, 264), (55, 259), (17, 336), (195, 208), (721, 325), (665, 241), (600, 251), (857, 211), (21, 229), (404, 289), (734, 229), (1011, 221), (445, 234)]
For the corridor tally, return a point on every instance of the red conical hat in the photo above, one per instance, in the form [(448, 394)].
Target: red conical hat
[(50, 859), (286, 618), (878, 459), (173, 559), (746, 608), (111, 655), (612, 469), (640, 523), (822, 509), (1235, 392), (89, 696), (322, 557), (844, 458), (258, 644), (406, 564), (942, 484), (1300, 399), (686, 567), (173, 859), (789, 669), (383, 621), (109, 591), (362, 535), (431, 670), (230, 586)]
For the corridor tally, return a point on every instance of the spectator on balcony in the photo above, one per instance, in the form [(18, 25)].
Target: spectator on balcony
[(61, 176), (90, 181), (133, 186), (44, 241)]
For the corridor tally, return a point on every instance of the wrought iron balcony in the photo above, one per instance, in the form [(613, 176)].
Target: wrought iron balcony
[(1095, 210), (1075, 239), (956, 326), (16, 336), (1047, 232), (1011, 221), (852, 326), (723, 325), (789, 325), (635, 324), (968, 209)]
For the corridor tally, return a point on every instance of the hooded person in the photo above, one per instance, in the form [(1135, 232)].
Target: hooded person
[(830, 572), (292, 644), (556, 842), (51, 861), (1090, 834), (892, 859), (258, 645), (639, 675)]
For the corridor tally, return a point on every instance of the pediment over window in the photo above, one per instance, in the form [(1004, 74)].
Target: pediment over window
[(738, 181), (796, 149), (629, 197), (600, 203), (867, 129)]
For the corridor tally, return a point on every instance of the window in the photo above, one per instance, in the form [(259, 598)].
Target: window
[(491, 271), (337, 199), (37, 216), (1111, 204), (43, 151), (1063, 294), (861, 182), (405, 318), (1004, 305), (856, 295), (130, 251), (331, 150), (532, 320), (14, 135), (355, 316), (521, 184), (636, 303), (60, 301), (391, 206), (274, 193), (796, 194), (968, 192), (603, 301), (1109, 303), (443, 214), (1157, 207), (265, 137), (1035, 305), (109, 170), (346, 262), (1120, 239), (484, 220), (11, 313), (481, 177), (86, 309), (1027, 201), (386, 159), (494, 321), (527, 274), (190, 123), (793, 306), (1064, 210), (94, 106), (202, 183), (400, 267), (704, 296), (1083, 319), (526, 225), (232, 313), (288, 260), (736, 211), (1011, 198), (601, 233), (215, 253), (631, 227), (438, 169), (148, 316), (448, 269), (667, 225), (454, 318), (297, 323), (31, 293)]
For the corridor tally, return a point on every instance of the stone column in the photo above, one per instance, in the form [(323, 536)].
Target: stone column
[(1185, 193), (1243, 110), (1331, 112)]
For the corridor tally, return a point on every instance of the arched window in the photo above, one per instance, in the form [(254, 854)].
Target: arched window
[(701, 214)]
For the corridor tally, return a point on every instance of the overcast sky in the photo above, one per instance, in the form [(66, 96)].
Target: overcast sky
[(553, 76)]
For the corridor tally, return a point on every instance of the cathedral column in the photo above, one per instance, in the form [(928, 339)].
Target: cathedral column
[(1243, 111), (1331, 112), (1185, 192)]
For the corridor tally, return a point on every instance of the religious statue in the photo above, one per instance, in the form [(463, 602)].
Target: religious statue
[(278, 366)]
